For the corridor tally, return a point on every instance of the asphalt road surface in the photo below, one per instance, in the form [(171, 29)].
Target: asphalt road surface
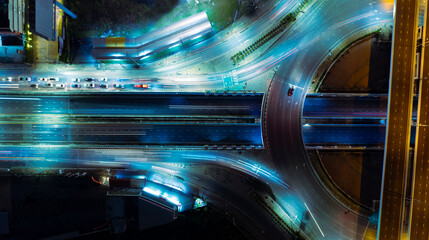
[(348, 106), (131, 119), (392, 202), (420, 190), (322, 28)]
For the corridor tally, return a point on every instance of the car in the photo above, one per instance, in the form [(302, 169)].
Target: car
[(118, 85), (76, 85), (43, 79), (75, 79), (25, 79), (90, 85), (290, 91), (104, 85), (54, 79), (61, 86), (49, 85), (141, 86), (34, 85), (103, 79), (90, 79), (6, 79)]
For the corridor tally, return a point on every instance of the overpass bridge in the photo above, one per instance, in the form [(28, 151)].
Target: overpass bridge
[(340, 120), (131, 119)]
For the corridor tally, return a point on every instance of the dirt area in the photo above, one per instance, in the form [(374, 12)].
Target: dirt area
[(364, 68), (357, 173)]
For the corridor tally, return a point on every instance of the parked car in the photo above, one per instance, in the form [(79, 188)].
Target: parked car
[(76, 85)]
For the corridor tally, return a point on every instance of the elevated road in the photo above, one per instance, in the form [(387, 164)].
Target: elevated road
[(131, 134), (322, 28), (419, 221), (135, 119), (133, 104), (399, 120), (346, 106)]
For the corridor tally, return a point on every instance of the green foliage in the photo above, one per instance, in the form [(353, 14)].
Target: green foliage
[(288, 19)]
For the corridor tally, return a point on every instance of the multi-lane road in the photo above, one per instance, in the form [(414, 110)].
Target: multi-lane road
[(419, 193), (301, 50), (321, 29), (190, 104), (364, 106), (168, 119), (397, 146)]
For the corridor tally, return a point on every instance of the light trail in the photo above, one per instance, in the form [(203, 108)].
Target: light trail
[(173, 172), (314, 220), (208, 107), (294, 50), (19, 99), (9, 86), (350, 20), (254, 66), (281, 10)]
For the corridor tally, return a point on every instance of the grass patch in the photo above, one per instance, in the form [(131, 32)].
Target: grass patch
[(222, 13), (28, 36)]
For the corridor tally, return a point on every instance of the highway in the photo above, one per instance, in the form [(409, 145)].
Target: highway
[(348, 106), (347, 134), (185, 31), (110, 133), (223, 179), (170, 119), (134, 104), (299, 51), (321, 29), (167, 72), (397, 146), (419, 190)]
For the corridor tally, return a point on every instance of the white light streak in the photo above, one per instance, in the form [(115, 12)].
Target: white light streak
[(151, 191), (314, 220), (164, 170), (19, 99)]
